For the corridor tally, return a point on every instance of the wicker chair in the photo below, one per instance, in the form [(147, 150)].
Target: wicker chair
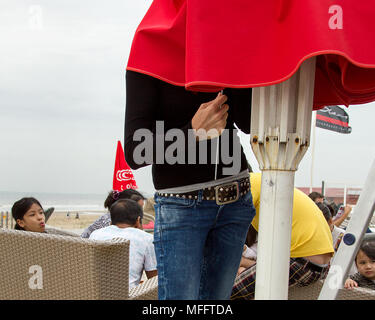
[(59, 231), (148, 214), (70, 268), (312, 292)]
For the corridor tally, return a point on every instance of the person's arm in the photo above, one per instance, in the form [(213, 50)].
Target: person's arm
[(142, 102), (337, 222), (350, 284), (143, 110), (152, 273), (247, 263), (150, 260)]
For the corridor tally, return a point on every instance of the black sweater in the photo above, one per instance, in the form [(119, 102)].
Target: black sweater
[(149, 100), (363, 281)]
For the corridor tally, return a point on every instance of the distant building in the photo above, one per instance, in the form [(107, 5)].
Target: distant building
[(337, 194)]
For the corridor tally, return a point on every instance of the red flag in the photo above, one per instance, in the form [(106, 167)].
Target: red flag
[(122, 177), (213, 44)]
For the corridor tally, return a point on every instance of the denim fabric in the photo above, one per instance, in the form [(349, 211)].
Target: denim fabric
[(198, 246)]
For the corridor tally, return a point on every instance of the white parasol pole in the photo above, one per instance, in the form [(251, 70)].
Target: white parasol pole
[(280, 135), (313, 152)]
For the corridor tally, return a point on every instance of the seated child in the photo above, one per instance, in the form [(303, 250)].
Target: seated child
[(365, 262), (29, 215)]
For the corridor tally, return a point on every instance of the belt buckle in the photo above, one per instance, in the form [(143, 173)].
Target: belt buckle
[(221, 188)]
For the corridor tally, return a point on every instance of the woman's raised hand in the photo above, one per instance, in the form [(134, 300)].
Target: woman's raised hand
[(211, 118)]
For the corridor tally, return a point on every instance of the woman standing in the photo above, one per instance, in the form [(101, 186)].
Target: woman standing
[(203, 204), (202, 213)]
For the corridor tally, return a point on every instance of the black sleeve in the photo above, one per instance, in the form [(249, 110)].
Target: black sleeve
[(142, 103), (357, 277), (240, 107)]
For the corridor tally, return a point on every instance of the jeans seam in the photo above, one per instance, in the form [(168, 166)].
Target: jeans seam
[(160, 268), (203, 274)]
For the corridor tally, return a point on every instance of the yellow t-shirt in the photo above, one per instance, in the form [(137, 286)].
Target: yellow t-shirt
[(311, 234)]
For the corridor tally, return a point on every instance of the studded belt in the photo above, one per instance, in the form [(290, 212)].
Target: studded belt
[(222, 194)]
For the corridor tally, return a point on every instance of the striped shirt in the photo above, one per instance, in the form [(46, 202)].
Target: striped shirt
[(102, 222)]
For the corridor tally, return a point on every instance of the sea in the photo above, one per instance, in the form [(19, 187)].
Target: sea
[(85, 203), (74, 202)]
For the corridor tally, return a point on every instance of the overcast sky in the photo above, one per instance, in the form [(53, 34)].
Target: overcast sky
[(62, 101)]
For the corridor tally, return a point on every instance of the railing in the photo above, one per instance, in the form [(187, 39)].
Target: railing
[(6, 220)]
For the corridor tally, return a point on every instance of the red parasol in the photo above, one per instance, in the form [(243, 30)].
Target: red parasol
[(122, 177), (193, 43)]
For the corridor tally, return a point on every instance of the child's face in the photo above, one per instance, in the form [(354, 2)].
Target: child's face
[(365, 265), (33, 220)]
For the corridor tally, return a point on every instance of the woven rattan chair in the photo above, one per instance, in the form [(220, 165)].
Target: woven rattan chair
[(41, 266), (148, 215), (312, 292), (147, 218), (59, 231)]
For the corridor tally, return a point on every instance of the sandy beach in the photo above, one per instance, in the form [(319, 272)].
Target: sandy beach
[(60, 220)]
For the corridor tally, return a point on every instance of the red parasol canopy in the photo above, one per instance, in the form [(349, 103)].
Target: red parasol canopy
[(123, 178), (209, 45)]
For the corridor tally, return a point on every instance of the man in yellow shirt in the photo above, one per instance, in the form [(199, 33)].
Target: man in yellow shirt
[(311, 244)]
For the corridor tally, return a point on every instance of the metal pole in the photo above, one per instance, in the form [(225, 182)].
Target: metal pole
[(352, 239), (277, 196), (1, 220), (313, 153), (323, 189), (280, 135), (7, 220)]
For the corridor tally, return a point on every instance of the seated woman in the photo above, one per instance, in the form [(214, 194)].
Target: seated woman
[(29, 215), (311, 246), (105, 219)]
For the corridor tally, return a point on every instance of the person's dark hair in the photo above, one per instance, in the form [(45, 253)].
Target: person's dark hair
[(251, 236), (315, 195), (136, 197), (125, 211), (20, 207), (113, 196), (368, 247), (325, 210), (249, 167), (332, 208)]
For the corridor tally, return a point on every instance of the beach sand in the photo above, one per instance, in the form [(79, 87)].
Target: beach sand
[(60, 220)]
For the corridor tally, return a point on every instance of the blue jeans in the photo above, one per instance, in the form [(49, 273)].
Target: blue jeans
[(198, 246)]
